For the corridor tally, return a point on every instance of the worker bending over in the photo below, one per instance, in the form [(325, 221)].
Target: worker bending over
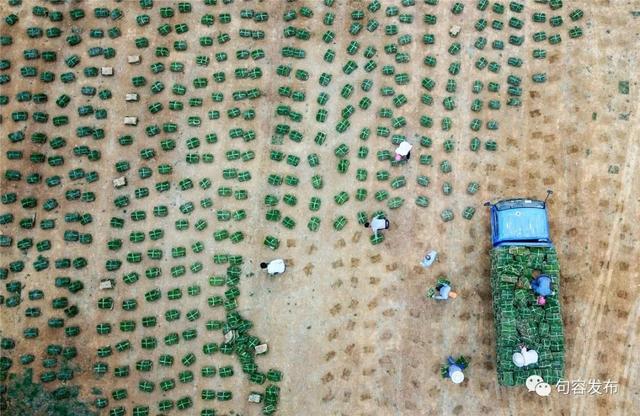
[(378, 223), (403, 151), (274, 267), (541, 286), (444, 292), (454, 369)]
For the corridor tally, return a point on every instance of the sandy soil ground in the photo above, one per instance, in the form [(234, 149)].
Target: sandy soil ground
[(348, 324)]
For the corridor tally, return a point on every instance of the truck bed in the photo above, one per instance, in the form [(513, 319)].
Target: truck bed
[(519, 320)]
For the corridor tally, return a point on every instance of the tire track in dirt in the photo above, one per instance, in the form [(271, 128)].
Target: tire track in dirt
[(632, 372), (594, 314)]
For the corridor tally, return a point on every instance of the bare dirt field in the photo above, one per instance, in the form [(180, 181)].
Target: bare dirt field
[(348, 324)]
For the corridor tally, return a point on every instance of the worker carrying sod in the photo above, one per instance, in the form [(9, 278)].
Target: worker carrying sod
[(379, 222), (541, 286), (442, 291), (274, 267), (403, 151), (453, 369)]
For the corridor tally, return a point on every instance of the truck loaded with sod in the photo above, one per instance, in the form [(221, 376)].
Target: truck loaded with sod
[(523, 253), (519, 320)]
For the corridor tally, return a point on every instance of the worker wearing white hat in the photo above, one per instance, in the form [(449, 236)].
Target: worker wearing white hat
[(403, 152), (454, 372), (274, 267), (379, 222)]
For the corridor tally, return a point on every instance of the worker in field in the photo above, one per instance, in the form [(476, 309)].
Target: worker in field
[(453, 369), (274, 267), (403, 151), (429, 258), (541, 286), (379, 222), (442, 291)]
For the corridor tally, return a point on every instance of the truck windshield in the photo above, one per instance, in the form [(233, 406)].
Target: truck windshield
[(519, 203), (521, 224)]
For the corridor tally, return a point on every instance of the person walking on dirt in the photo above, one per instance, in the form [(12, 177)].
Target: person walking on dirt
[(378, 223), (274, 267)]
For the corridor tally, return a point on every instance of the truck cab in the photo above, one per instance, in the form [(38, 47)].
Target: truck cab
[(520, 222)]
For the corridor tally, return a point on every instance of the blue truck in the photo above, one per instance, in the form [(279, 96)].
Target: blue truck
[(522, 250), (520, 222)]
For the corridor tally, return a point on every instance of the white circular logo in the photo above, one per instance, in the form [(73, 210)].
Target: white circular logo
[(543, 389), (537, 384), (533, 381)]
